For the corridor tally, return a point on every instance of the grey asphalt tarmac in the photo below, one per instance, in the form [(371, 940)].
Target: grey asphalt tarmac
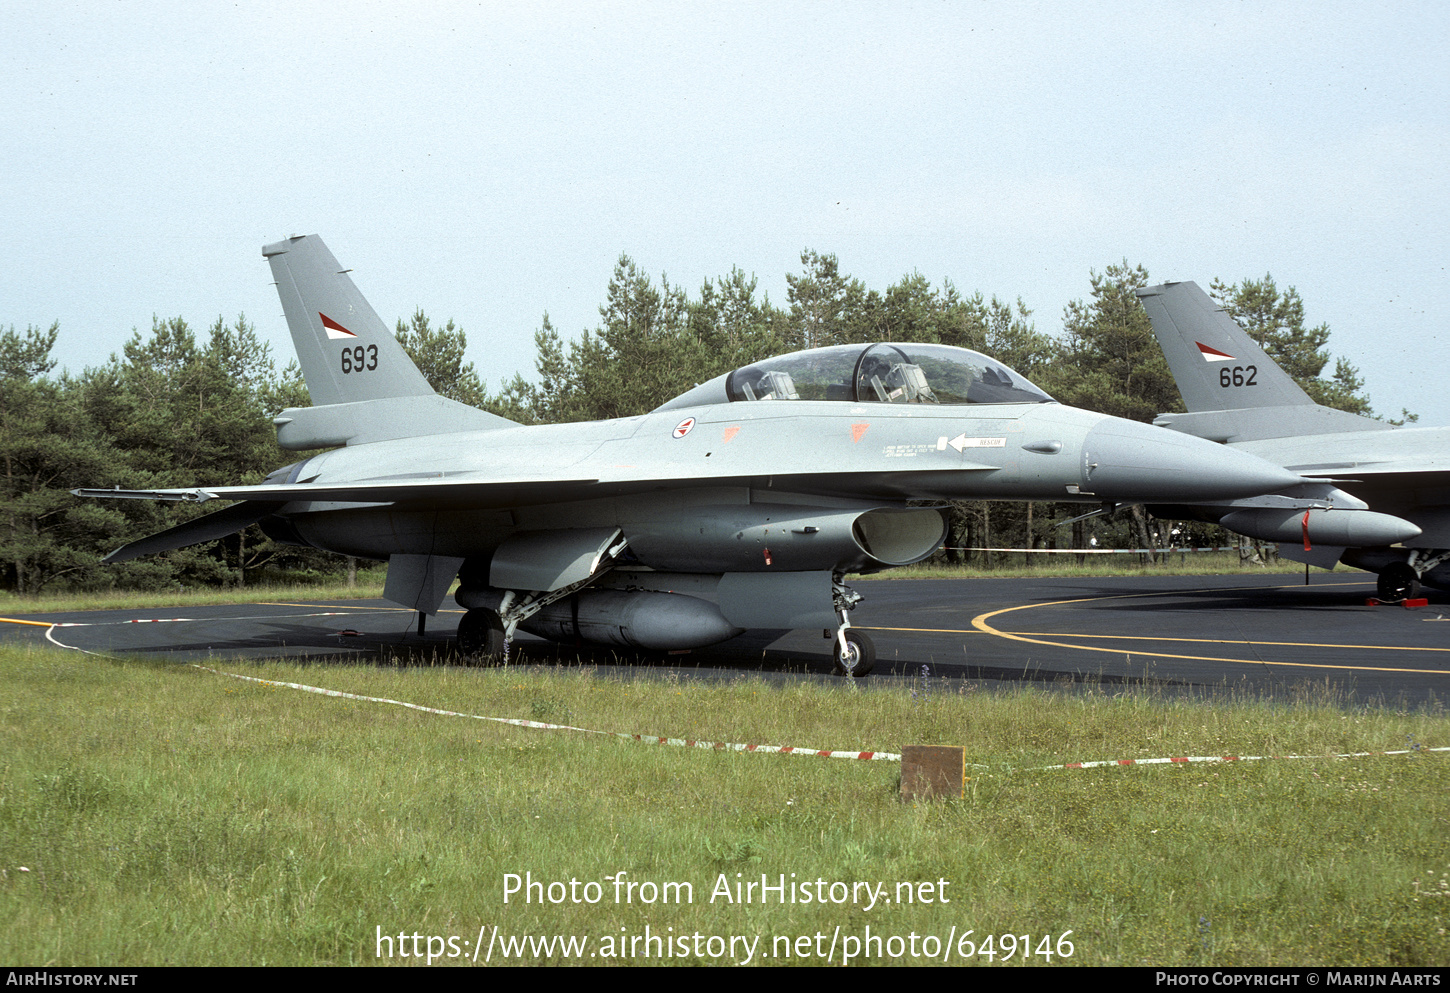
[(1264, 635)]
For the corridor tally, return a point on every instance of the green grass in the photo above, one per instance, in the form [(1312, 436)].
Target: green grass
[(165, 815)]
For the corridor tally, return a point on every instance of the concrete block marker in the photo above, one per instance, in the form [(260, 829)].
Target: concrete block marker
[(929, 771)]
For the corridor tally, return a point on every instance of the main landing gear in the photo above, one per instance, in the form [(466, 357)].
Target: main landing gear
[(486, 629), (1398, 581), (484, 634), (481, 638)]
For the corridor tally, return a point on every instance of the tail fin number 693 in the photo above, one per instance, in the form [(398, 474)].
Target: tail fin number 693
[(1239, 375), (358, 359)]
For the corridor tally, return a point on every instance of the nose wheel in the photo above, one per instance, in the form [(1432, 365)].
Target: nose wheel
[(855, 653)]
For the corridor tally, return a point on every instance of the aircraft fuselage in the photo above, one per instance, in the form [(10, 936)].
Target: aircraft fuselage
[(811, 454)]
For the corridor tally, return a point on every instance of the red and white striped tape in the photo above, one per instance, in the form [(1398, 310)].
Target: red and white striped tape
[(862, 756), (1184, 759), (721, 746), (519, 722)]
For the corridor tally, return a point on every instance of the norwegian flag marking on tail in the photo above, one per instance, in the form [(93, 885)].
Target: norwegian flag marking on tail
[(336, 330)]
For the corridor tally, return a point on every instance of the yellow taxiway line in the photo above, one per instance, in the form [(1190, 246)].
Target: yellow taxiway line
[(16, 620), (333, 606), (980, 623)]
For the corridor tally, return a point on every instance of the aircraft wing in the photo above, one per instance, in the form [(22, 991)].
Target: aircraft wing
[(436, 489), (227, 521), (466, 490)]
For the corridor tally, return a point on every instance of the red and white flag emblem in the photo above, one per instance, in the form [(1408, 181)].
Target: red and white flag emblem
[(1213, 354), (336, 330), (683, 428)]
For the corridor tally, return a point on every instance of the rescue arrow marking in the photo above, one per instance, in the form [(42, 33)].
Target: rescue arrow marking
[(961, 442)]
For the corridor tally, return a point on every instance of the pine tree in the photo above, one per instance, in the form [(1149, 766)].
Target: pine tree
[(438, 354), (1109, 360)]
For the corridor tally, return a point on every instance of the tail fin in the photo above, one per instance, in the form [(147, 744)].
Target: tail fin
[(1216, 364), (346, 351), (363, 384), (1232, 389)]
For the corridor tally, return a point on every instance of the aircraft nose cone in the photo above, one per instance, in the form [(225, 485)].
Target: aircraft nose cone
[(1125, 460)]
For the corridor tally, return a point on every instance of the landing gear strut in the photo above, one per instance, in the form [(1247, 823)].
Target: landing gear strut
[(484, 634), (1398, 581), (481, 637), (855, 654)]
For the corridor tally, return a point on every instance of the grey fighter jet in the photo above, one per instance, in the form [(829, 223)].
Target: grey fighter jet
[(743, 503), (1374, 496)]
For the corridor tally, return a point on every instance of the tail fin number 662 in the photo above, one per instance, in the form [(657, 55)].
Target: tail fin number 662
[(1239, 375), (357, 359)]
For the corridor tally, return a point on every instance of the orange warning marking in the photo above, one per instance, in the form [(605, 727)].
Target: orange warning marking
[(730, 432), (857, 430)]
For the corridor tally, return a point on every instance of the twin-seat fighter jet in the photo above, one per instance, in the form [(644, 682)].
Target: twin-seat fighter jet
[(1372, 496), (743, 503)]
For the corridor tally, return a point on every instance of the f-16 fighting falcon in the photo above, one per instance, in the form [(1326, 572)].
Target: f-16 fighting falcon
[(1376, 497), (742, 503)]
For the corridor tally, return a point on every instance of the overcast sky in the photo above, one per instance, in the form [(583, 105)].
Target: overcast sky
[(489, 162)]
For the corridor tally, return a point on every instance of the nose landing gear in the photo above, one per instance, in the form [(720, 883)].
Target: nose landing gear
[(855, 653)]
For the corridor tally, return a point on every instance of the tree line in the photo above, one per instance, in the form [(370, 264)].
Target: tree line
[(178, 408)]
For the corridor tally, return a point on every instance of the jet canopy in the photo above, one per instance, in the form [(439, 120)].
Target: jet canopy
[(871, 373)]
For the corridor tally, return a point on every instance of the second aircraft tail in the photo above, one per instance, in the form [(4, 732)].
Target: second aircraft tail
[(1232, 389), (1216, 364)]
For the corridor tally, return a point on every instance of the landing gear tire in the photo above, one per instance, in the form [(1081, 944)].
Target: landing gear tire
[(1398, 582), (480, 637), (859, 658)]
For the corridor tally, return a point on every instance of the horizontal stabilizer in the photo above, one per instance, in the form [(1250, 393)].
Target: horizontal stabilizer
[(1319, 556), (365, 421), (1263, 423), (777, 599), (203, 529)]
